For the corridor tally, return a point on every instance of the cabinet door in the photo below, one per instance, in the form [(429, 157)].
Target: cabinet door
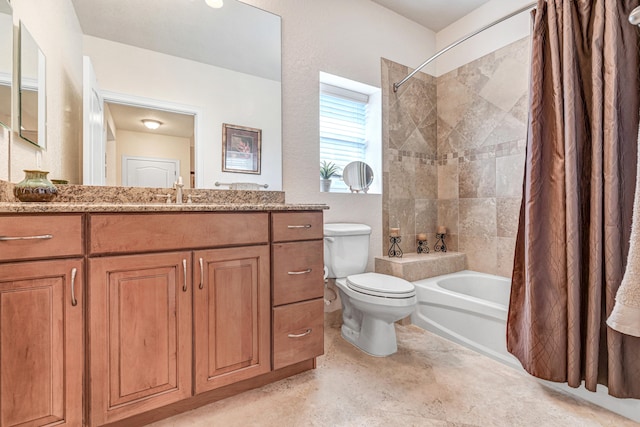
[(41, 341), (231, 312), (139, 333)]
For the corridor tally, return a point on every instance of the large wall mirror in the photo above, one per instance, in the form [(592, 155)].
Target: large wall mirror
[(32, 100), (216, 66)]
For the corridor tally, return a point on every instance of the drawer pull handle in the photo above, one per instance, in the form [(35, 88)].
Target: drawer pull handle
[(304, 334), (299, 226), (307, 271), (74, 301), (41, 237), (201, 275), (184, 269)]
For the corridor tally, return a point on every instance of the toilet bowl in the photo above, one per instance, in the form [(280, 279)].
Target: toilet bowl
[(371, 302)]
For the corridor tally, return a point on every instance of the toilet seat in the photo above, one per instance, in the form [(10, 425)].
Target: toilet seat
[(381, 285)]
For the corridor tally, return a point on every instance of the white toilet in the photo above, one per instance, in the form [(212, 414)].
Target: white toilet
[(371, 302)]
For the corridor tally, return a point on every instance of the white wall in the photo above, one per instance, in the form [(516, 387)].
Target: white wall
[(486, 42), (55, 27), (223, 96), (6, 43), (345, 38)]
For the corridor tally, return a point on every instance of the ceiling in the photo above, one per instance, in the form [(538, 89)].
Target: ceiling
[(433, 14), (237, 36), (128, 117)]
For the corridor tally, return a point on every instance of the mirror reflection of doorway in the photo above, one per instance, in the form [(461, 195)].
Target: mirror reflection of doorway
[(172, 143), (114, 128), (149, 172)]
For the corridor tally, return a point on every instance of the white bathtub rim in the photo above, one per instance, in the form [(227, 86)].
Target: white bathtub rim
[(437, 295), (461, 273)]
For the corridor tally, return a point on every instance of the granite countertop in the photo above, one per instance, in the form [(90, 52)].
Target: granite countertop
[(82, 198), (54, 207)]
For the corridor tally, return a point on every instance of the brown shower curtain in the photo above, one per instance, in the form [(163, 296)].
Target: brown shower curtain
[(575, 219)]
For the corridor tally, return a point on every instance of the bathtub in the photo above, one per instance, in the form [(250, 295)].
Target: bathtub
[(470, 308)]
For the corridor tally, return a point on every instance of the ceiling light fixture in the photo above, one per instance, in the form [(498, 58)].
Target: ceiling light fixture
[(216, 4), (151, 124)]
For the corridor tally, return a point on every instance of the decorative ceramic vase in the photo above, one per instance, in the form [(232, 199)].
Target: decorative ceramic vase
[(35, 187), (325, 185)]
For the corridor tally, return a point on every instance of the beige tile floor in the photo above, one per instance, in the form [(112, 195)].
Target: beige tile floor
[(428, 382)]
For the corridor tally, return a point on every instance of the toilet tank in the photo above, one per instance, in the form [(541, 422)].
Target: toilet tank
[(346, 248)]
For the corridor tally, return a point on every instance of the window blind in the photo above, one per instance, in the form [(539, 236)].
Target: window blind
[(343, 118)]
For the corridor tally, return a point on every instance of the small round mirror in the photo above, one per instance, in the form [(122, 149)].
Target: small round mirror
[(358, 176)]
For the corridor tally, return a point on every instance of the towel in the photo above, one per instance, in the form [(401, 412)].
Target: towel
[(625, 317)]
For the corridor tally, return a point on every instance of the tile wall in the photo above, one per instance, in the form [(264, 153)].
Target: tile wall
[(410, 170), (466, 171)]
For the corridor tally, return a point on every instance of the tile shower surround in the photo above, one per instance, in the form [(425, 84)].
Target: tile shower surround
[(410, 170), (467, 175)]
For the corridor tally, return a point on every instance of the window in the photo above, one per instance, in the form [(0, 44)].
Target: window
[(349, 127)]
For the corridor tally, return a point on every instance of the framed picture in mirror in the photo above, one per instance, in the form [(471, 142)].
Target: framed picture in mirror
[(241, 149)]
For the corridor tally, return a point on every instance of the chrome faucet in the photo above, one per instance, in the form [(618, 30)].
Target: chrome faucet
[(178, 185)]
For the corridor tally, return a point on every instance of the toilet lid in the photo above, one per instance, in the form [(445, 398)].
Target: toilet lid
[(381, 285)]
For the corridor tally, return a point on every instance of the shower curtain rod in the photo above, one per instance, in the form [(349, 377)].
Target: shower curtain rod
[(457, 42)]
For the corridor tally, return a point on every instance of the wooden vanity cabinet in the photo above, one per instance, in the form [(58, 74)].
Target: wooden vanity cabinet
[(41, 319), (297, 287), (182, 309), (144, 300)]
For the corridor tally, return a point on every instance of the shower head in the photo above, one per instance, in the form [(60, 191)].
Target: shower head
[(634, 17)]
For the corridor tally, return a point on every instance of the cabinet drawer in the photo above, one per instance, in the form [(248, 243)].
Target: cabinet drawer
[(298, 332), (40, 236), (291, 226), (297, 271), (122, 233)]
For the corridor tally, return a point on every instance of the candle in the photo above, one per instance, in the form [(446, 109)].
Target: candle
[(395, 232), (442, 229), (422, 236), (180, 180)]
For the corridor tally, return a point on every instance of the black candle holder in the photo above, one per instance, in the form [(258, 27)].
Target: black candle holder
[(440, 245), (423, 247), (394, 250)]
